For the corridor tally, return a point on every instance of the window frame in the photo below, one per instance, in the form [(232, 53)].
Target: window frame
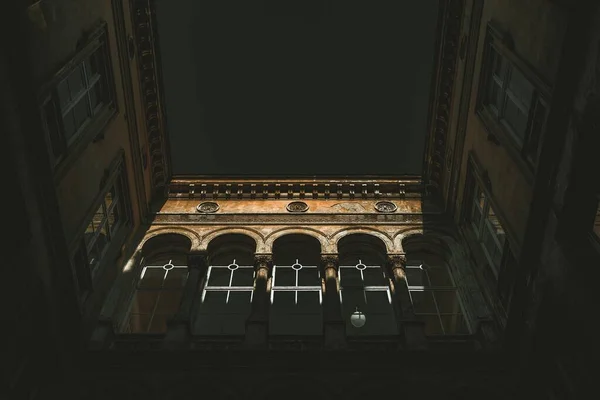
[(87, 278), (145, 265), (62, 151), (206, 287), (526, 151), (484, 226), (293, 288), (366, 288), (417, 264), (502, 283)]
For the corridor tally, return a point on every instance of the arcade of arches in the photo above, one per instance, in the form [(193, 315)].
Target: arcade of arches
[(256, 285)]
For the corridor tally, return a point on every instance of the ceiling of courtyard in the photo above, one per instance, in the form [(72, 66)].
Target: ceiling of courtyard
[(296, 88)]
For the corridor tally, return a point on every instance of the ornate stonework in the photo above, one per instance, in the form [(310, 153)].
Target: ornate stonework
[(297, 207), (208, 207), (330, 260), (288, 219), (263, 260), (386, 207), (149, 77), (397, 261), (449, 33), (343, 189)]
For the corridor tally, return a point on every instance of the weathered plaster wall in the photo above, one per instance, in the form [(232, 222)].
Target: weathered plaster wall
[(55, 42), (537, 27)]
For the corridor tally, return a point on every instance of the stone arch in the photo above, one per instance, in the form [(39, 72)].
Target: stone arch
[(385, 238), (193, 236), (166, 242), (370, 249), (326, 246), (442, 238), (251, 233), (441, 245), (224, 249)]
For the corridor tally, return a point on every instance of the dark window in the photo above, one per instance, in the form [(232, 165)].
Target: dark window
[(157, 295), (435, 299), (512, 103), (226, 300), (487, 229), (296, 299), (79, 100), (104, 230), (366, 288), (104, 225)]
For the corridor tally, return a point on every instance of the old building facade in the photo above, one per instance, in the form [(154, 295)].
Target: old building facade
[(474, 278)]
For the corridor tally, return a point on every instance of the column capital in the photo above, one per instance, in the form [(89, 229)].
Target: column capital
[(263, 259), (396, 260), (330, 260)]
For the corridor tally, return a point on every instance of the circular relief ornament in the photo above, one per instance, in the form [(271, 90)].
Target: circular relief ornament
[(385, 206), (297, 206), (207, 207)]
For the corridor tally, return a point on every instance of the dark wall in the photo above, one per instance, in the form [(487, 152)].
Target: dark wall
[(320, 88)]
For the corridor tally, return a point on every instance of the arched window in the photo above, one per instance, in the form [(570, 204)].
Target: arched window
[(296, 288), (227, 290), (364, 284), (158, 293), (434, 294)]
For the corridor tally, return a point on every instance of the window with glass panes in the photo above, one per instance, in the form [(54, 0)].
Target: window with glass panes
[(104, 224), (80, 95), (226, 300), (487, 229), (296, 298), (435, 298), (158, 294), (512, 100), (366, 287)]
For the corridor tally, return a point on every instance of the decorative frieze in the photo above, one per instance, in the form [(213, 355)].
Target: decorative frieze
[(293, 219)]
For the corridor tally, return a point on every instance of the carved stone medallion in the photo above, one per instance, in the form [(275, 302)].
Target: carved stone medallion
[(207, 207), (385, 206), (297, 206)]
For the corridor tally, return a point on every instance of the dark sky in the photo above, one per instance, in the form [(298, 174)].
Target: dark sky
[(254, 90)]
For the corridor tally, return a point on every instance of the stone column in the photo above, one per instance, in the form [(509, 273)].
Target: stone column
[(412, 330), (334, 326), (179, 327), (257, 325)]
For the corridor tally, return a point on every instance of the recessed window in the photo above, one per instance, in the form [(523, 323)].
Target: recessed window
[(104, 230), (366, 287), (158, 294), (512, 104), (296, 298), (435, 299), (487, 229), (226, 299), (79, 98), (103, 225)]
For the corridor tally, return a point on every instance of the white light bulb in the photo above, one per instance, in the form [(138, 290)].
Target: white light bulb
[(358, 319)]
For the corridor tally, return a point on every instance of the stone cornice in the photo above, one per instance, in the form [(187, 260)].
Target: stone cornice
[(295, 188), (147, 54), (449, 30)]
